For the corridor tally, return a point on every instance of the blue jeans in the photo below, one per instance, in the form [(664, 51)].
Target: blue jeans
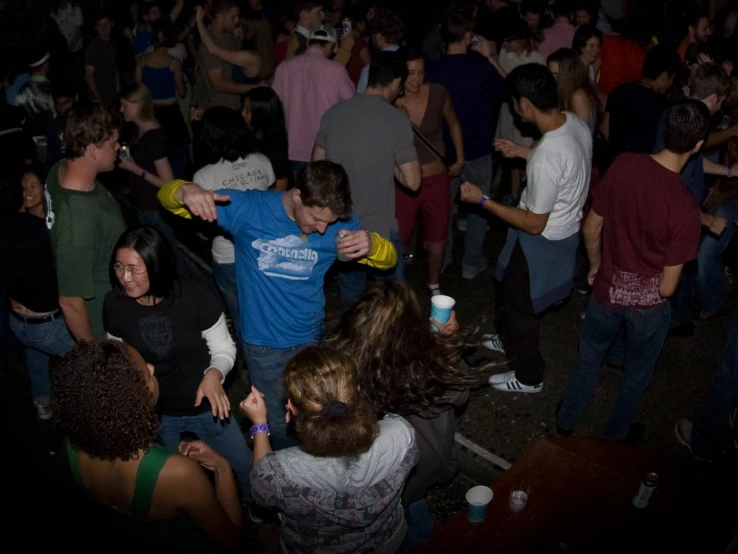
[(9, 343), (710, 278), (420, 526), (42, 340), (155, 219), (224, 437), (708, 430), (645, 332), (225, 278), (479, 172), (682, 298), (353, 276), (266, 367)]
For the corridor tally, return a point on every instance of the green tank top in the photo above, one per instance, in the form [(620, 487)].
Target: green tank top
[(146, 477), (180, 535)]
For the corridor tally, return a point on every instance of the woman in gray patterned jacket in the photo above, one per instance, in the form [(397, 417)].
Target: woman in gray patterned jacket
[(339, 491)]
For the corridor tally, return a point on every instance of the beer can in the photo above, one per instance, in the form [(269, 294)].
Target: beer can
[(648, 484), (346, 27)]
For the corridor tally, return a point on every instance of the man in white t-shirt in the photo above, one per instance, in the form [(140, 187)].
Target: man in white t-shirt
[(536, 266), (236, 167)]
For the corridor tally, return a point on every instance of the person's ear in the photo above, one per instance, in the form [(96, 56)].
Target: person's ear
[(698, 146), (525, 105), (91, 151), (151, 369), (296, 197)]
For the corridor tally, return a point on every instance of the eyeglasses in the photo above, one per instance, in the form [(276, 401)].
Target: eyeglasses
[(135, 271)]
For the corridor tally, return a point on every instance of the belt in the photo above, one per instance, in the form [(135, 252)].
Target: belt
[(36, 319)]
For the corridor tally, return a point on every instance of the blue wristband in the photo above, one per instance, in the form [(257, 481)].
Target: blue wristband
[(483, 200), (262, 428)]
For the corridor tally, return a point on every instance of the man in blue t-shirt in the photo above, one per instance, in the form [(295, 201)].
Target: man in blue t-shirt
[(709, 84), (285, 243), (476, 87)]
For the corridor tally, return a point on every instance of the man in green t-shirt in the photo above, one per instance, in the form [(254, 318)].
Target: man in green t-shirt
[(84, 219)]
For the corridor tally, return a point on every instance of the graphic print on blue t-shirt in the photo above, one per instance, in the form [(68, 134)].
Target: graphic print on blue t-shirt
[(279, 270), (288, 257)]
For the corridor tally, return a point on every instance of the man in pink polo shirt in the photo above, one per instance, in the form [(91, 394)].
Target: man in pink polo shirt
[(308, 85), (561, 33)]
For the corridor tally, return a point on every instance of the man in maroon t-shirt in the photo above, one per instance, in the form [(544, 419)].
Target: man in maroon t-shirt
[(643, 227)]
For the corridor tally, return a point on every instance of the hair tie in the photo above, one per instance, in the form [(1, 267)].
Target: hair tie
[(335, 408)]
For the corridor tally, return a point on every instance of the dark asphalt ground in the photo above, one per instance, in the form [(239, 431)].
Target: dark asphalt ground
[(40, 492)]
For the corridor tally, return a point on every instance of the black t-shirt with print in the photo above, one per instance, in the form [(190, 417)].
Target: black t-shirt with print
[(169, 336)]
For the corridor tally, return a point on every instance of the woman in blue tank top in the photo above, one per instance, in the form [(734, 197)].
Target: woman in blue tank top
[(115, 459), (162, 74)]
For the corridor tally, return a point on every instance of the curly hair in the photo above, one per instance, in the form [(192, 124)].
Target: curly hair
[(404, 367), (332, 418), (101, 402)]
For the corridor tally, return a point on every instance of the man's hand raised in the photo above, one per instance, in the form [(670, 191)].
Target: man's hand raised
[(201, 202)]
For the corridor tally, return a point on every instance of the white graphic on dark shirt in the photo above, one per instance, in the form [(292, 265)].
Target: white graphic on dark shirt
[(631, 289), (287, 258)]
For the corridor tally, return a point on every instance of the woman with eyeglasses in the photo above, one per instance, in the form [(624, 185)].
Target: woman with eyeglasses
[(179, 327)]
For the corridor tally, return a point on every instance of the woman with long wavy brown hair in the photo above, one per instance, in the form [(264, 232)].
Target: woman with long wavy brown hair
[(576, 92), (407, 369)]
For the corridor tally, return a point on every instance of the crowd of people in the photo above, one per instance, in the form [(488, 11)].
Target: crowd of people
[(304, 137)]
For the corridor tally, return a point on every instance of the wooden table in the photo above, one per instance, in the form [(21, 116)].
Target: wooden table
[(581, 493)]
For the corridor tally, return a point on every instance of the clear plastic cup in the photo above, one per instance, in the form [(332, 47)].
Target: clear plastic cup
[(338, 237), (519, 498)]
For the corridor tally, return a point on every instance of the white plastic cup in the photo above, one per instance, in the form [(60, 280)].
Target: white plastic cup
[(477, 500), (441, 308)]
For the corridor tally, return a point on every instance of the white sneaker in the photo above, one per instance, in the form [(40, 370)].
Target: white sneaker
[(683, 433), (506, 382), (493, 342)]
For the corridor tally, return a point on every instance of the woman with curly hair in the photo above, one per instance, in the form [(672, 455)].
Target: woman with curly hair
[(407, 369), (339, 491), (103, 398)]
